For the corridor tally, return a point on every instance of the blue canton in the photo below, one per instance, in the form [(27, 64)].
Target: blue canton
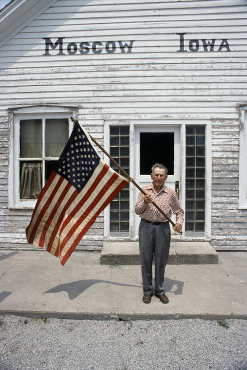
[(78, 160)]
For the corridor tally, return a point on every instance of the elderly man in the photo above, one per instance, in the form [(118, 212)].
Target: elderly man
[(154, 230)]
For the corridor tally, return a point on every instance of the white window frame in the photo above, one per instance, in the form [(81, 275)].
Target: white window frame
[(243, 159), (40, 112)]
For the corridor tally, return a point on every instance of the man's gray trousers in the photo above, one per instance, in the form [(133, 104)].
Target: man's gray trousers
[(154, 240)]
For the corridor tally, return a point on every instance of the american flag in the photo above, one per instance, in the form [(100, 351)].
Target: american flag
[(78, 190)]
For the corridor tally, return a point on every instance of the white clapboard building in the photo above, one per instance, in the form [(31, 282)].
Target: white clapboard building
[(153, 81)]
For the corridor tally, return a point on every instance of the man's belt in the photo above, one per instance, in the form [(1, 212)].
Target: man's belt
[(153, 223)]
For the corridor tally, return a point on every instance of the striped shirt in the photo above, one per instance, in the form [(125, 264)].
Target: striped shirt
[(166, 199)]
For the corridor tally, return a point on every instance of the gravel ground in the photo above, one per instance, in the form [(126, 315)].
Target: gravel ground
[(187, 344)]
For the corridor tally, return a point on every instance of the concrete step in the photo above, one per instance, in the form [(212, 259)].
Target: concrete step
[(190, 253)]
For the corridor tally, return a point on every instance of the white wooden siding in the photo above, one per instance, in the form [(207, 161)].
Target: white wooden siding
[(154, 82)]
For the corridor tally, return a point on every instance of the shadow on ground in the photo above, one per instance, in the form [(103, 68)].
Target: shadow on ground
[(76, 288)]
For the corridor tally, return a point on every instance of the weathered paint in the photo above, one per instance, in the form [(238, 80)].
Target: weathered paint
[(165, 77)]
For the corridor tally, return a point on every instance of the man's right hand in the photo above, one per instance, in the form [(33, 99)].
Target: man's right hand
[(148, 199)]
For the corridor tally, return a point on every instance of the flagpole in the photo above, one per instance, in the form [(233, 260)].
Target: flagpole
[(125, 174)]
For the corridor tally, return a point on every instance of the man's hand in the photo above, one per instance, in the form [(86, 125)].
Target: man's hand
[(148, 199), (178, 228)]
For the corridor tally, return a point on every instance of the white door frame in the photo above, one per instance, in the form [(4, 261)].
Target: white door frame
[(158, 123)]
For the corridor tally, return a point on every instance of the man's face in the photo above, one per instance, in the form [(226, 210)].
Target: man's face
[(159, 177)]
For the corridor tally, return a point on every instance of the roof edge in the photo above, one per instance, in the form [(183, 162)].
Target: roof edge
[(17, 14)]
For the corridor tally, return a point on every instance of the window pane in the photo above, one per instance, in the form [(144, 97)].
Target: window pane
[(56, 136), (189, 226), (200, 130), (114, 140), (30, 179), (124, 130), (114, 216), (114, 151), (124, 151), (49, 166), (190, 172), (114, 206), (156, 147), (31, 138), (190, 150), (124, 140), (124, 226)]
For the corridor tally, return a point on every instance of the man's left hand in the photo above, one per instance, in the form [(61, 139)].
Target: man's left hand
[(178, 228)]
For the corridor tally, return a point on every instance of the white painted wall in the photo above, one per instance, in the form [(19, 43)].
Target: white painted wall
[(155, 82)]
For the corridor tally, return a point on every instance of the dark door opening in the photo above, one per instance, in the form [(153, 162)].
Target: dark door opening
[(156, 147)]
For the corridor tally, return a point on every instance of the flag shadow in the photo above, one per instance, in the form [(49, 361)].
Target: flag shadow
[(4, 295), (3, 256), (76, 288)]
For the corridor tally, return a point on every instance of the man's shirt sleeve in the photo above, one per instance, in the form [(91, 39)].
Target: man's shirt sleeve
[(140, 205), (176, 209)]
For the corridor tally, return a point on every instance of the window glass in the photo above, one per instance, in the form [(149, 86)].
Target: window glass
[(31, 138), (156, 147), (34, 173), (119, 207), (56, 136)]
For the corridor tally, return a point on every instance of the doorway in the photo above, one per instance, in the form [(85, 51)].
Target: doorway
[(157, 144)]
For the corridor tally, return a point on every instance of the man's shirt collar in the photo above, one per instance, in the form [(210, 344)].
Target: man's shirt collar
[(151, 187)]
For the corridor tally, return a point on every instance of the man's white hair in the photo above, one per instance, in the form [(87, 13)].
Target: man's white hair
[(159, 165)]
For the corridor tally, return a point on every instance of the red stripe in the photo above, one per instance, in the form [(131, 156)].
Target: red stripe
[(60, 219), (52, 214), (41, 194), (44, 209), (86, 196), (88, 210), (92, 220)]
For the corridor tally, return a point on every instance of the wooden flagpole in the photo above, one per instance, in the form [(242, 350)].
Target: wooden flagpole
[(126, 175)]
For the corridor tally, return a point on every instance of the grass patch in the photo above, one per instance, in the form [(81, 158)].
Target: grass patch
[(223, 323)]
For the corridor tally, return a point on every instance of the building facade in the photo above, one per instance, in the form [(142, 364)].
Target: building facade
[(152, 81)]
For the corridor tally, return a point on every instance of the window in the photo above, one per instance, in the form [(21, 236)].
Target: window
[(119, 207), (38, 141), (243, 159), (195, 180)]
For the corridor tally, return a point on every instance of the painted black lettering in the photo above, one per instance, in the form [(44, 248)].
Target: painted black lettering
[(84, 49), (72, 48), (181, 42), (129, 46), (95, 44), (49, 43), (207, 43), (224, 44), (194, 45), (110, 47)]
